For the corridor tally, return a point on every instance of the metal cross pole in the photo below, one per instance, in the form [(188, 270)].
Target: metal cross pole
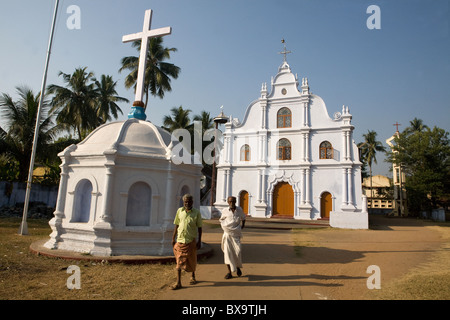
[(23, 226)]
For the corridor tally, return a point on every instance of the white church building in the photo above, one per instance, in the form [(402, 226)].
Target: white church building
[(289, 158)]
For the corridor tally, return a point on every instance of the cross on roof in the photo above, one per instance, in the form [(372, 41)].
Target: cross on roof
[(397, 124), (144, 36), (284, 52)]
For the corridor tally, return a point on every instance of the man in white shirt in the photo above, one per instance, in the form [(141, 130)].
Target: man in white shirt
[(232, 222)]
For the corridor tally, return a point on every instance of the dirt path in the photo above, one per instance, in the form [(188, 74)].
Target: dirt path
[(311, 264)]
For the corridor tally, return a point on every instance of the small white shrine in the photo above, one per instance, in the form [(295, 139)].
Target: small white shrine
[(119, 188), (289, 158)]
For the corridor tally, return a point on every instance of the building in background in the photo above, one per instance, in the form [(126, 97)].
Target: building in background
[(400, 207), (379, 195)]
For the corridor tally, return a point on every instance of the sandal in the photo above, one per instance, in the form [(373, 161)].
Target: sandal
[(193, 281), (175, 286), (228, 276)]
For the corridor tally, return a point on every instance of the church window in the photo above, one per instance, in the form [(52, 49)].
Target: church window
[(284, 118), (326, 150), (245, 152), (284, 149)]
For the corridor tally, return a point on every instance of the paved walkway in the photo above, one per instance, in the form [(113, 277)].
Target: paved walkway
[(331, 264), (206, 251), (263, 251), (313, 262)]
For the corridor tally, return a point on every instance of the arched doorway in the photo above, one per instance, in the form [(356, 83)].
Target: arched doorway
[(326, 205), (283, 200), (243, 201)]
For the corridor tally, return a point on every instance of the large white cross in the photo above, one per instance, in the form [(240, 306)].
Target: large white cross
[(144, 36)]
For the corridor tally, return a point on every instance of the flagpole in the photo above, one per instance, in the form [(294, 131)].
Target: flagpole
[(23, 226)]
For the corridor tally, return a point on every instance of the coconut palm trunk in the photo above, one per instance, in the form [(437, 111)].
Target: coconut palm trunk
[(369, 148)]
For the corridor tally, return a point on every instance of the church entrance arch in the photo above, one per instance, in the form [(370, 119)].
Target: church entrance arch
[(283, 200), (326, 205), (243, 201)]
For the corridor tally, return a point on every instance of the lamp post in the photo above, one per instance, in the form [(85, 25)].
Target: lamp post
[(23, 230), (221, 118)]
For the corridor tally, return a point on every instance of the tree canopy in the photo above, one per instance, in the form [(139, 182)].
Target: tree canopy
[(424, 155), (158, 72), (16, 141)]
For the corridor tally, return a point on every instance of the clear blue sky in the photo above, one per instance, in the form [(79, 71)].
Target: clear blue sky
[(227, 49)]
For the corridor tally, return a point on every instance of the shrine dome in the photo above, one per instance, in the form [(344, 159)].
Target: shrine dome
[(130, 137)]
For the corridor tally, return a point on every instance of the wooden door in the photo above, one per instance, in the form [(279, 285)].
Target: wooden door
[(243, 201), (283, 200), (326, 205)]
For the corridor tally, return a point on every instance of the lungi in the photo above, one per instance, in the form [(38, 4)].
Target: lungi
[(186, 256), (231, 247)]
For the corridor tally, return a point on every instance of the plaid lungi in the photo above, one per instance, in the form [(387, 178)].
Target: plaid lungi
[(186, 255)]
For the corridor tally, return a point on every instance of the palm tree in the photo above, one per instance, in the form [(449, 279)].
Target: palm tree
[(158, 73), (17, 141), (205, 118), (416, 125), (207, 123), (369, 148), (76, 102), (107, 98), (179, 119)]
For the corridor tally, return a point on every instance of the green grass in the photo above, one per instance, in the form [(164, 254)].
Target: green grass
[(27, 276)]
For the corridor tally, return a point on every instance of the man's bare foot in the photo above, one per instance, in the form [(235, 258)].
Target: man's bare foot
[(176, 286)]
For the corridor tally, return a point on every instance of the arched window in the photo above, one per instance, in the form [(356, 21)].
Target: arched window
[(326, 150), (139, 205), (284, 118), (284, 149), (245, 152), (83, 196)]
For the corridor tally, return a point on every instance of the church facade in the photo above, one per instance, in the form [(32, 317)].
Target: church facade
[(289, 158)]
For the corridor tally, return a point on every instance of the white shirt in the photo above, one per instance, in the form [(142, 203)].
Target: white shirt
[(231, 221)]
